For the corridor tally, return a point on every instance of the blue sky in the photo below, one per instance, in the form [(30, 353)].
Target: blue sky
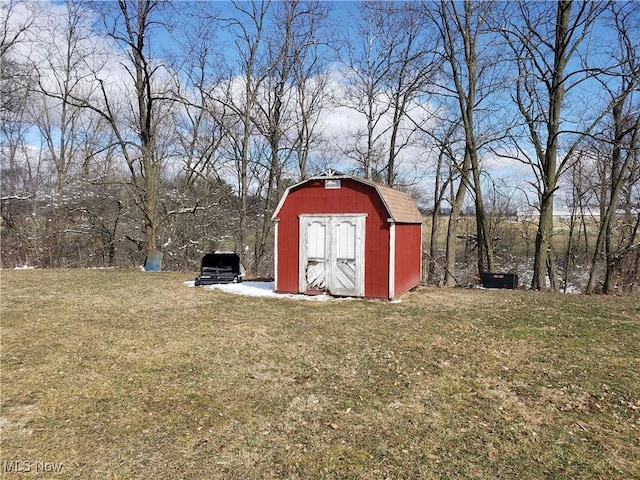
[(340, 119)]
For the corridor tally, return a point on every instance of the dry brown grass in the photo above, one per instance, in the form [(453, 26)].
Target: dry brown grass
[(126, 374)]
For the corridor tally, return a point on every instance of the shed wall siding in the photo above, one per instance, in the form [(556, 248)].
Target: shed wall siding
[(408, 257), (352, 197)]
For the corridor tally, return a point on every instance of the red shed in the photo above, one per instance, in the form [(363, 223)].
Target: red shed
[(347, 236)]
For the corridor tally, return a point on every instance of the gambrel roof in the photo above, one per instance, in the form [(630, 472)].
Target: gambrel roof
[(399, 205)]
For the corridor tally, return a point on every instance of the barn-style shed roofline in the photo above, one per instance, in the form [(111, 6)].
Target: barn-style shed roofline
[(399, 205)]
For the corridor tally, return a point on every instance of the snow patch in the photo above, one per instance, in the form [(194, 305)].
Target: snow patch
[(263, 289)]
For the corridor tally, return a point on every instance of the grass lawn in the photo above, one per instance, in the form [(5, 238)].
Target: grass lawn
[(122, 374)]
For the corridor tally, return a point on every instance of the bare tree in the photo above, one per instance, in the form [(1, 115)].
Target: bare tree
[(367, 63), (446, 138), (199, 119), (386, 75), (15, 25), (470, 69), (62, 48), (310, 80), (618, 154), (546, 40), (17, 22), (624, 140), (21, 167), (578, 201), (239, 97), (445, 174), (291, 44), (130, 24), (414, 65)]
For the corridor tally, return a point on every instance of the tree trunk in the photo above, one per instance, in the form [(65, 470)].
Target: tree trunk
[(456, 209), (468, 25), (542, 265), (435, 225), (485, 245), (543, 245), (604, 249)]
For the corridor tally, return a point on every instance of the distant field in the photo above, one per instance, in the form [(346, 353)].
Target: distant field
[(516, 237), (124, 374)]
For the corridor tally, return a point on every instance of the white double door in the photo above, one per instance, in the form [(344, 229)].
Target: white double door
[(332, 254)]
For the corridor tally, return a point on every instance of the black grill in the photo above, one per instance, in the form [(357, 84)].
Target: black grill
[(220, 268)]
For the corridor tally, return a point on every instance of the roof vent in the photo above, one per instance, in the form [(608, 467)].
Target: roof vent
[(333, 183)]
